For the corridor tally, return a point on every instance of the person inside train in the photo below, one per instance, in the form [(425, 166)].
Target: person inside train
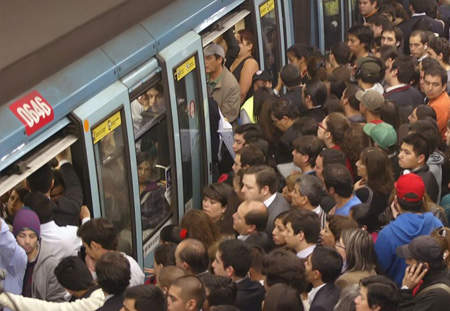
[(100, 237), (147, 106), (154, 206), (68, 206), (245, 66), (222, 85)]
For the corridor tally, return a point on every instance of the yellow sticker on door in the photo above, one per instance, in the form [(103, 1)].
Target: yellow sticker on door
[(106, 127), (185, 68), (266, 7)]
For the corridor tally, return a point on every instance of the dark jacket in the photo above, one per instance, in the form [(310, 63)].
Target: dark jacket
[(283, 150), (68, 206), (406, 98), (431, 185), (278, 206), (294, 95), (115, 303), (326, 298), (407, 26), (433, 300), (250, 295)]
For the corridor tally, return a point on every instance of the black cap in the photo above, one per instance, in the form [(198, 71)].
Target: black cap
[(261, 75), (422, 248)]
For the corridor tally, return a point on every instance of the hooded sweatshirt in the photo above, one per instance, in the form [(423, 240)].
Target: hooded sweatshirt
[(399, 232), (434, 162)]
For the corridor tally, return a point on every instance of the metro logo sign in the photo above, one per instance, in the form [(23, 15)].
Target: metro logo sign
[(33, 111)]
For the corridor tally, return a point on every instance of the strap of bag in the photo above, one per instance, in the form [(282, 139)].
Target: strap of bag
[(435, 286)]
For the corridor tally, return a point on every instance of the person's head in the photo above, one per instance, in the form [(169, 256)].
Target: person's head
[(333, 128), (414, 151), (164, 256), (402, 70), (186, 294), (282, 266), (391, 36), (340, 53), (113, 273), (439, 49), (326, 157), (192, 256), (370, 69), (302, 227), (306, 150), (410, 192), (316, 67), (442, 236), (278, 229), (27, 230), (418, 43), (283, 113), (429, 129), (357, 249), (290, 75), (349, 98), (367, 7), (426, 64), (262, 79), (378, 23), (16, 199), (422, 112), (420, 6), (371, 101), (333, 228), (244, 133), (377, 293), (359, 38), (307, 192), (250, 217), (374, 166), (99, 236), (58, 189), (314, 93), (220, 290), (435, 82), (246, 42), (146, 169), (363, 215), (219, 201), (233, 259), (167, 275), (297, 55), (282, 297), (382, 134), (73, 274), (324, 265), (258, 253), (248, 156), (156, 98), (422, 249), (41, 204), (290, 183), (200, 227), (338, 180), (144, 297), (214, 58), (41, 180), (259, 183), (262, 240), (172, 234)]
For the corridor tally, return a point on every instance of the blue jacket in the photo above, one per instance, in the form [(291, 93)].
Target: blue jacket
[(13, 260), (399, 232)]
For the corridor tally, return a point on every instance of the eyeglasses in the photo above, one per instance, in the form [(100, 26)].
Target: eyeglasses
[(322, 127)]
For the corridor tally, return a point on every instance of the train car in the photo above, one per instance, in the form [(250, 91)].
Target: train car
[(80, 87)]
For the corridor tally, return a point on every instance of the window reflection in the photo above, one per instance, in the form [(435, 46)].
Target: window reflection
[(272, 60)]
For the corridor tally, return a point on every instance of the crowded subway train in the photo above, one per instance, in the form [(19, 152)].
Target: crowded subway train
[(88, 105)]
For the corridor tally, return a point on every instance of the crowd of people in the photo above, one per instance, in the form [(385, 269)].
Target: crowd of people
[(333, 196)]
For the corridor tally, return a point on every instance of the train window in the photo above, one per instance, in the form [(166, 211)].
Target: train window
[(153, 159), (190, 110), (113, 177), (332, 23), (270, 38)]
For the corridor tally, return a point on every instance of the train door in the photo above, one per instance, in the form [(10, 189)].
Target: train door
[(288, 22), (331, 25), (107, 133), (268, 15), (183, 69)]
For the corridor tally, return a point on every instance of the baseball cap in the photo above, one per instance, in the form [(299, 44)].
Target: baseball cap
[(410, 188), (382, 133), (214, 49), (261, 75), (371, 99), (422, 248), (369, 68)]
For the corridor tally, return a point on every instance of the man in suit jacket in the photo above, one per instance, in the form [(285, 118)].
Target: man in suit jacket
[(418, 10), (113, 277), (323, 267), (260, 183), (233, 260)]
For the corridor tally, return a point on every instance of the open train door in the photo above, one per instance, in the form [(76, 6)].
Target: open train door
[(271, 44)]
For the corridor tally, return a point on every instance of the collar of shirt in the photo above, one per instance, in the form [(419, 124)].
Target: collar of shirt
[(312, 293), (270, 200), (395, 87), (317, 210), (242, 237), (214, 83), (306, 252), (419, 14)]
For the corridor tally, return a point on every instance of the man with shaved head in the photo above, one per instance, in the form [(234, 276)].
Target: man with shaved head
[(186, 294), (191, 255), (250, 217)]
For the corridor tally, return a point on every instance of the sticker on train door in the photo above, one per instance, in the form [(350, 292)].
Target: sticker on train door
[(33, 111), (106, 127), (266, 7), (185, 68)]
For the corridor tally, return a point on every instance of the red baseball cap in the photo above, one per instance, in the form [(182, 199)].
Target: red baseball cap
[(410, 188)]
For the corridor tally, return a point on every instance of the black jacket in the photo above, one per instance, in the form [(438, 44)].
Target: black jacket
[(326, 298), (407, 26), (406, 98), (294, 95), (434, 300), (250, 295), (431, 185), (115, 303)]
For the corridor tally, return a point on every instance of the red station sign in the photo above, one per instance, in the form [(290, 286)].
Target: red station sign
[(33, 111)]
